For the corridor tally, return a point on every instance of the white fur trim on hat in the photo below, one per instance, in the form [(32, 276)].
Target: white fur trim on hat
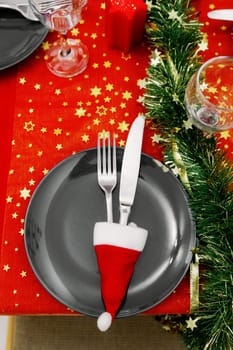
[(131, 236)]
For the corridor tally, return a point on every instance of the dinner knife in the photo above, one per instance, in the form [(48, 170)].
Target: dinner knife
[(21, 6), (225, 14), (130, 168)]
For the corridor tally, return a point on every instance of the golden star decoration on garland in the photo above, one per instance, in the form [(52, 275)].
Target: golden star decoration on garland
[(53, 119)]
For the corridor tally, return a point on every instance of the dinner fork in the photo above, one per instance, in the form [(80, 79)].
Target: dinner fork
[(48, 5), (107, 169)]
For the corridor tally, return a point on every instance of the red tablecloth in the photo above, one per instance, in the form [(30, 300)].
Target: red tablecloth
[(45, 119)]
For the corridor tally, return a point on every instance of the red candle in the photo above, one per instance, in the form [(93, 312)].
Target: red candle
[(125, 23)]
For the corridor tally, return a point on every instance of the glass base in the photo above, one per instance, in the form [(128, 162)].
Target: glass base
[(67, 59)]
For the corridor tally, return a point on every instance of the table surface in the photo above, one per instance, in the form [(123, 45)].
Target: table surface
[(44, 119)]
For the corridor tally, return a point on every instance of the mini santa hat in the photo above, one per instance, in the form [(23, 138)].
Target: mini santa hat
[(117, 248)]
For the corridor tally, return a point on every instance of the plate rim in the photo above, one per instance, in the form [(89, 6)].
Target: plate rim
[(121, 313), (30, 49)]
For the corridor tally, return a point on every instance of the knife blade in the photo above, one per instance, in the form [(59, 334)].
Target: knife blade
[(225, 14), (130, 168)]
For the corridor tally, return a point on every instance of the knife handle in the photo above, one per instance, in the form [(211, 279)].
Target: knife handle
[(124, 214)]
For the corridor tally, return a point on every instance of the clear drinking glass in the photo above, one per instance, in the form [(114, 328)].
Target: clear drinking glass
[(209, 95), (66, 57)]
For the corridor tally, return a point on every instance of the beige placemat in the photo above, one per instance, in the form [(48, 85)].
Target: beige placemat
[(80, 333)]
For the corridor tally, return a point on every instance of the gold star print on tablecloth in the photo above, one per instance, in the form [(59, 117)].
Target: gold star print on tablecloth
[(55, 117)]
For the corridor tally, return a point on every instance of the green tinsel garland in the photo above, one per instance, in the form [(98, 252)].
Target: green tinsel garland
[(174, 34)]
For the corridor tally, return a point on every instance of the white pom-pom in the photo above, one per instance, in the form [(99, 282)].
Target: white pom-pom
[(104, 321)]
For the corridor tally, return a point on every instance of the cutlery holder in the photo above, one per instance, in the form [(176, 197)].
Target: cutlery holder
[(117, 248)]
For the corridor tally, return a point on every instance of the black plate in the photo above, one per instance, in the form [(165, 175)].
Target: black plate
[(59, 233), (19, 37)]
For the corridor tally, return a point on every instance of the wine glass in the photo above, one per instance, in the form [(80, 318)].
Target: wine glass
[(209, 95), (66, 57)]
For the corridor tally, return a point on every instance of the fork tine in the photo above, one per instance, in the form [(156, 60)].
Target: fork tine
[(104, 166), (114, 155), (98, 156), (109, 155)]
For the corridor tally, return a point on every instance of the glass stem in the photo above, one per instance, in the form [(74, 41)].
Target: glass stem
[(65, 48)]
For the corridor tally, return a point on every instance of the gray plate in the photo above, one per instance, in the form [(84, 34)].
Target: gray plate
[(59, 229), (19, 37)]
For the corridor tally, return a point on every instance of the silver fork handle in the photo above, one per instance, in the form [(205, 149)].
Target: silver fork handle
[(108, 197)]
